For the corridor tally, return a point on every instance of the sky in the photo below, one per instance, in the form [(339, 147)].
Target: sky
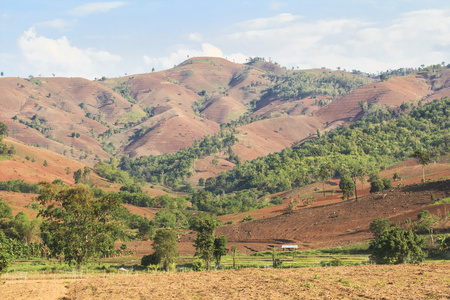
[(77, 38)]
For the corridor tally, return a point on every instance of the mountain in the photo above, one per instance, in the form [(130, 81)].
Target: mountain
[(162, 112)]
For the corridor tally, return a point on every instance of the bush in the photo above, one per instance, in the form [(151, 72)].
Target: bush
[(248, 218), (397, 246), (276, 200), (151, 259), (199, 265), (5, 260), (379, 226)]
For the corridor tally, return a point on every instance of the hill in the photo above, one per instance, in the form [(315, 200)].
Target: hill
[(163, 112)]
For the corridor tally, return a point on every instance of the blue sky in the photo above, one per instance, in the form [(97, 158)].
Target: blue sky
[(110, 38)]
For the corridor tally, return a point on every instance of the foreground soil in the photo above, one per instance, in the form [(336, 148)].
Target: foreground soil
[(350, 282)]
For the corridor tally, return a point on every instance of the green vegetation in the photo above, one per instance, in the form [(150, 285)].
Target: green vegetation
[(398, 246), (374, 146), (172, 168), (205, 226), (166, 247), (297, 85), (76, 225), (19, 186)]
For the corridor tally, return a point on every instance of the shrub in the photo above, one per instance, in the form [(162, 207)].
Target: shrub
[(276, 200), (379, 225), (397, 246), (248, 218), (199, 265), (151, 259)]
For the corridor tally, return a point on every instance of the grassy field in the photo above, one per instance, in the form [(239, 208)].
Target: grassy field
[(109, 267)]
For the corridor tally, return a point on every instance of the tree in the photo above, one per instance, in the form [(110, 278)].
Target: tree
[(77, 176), (397, 246), (220, 249), (5, 210), (379, 226), (205, 226), (378, 184), (5, 257), (76, 225), (3, 131), (234, 250), (86, 174), (323, 174), (424, 159), (166, 247), (45, 163), (427, 222), (347, 186)]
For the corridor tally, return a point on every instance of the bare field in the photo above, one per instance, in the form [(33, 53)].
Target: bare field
[(350, 282)]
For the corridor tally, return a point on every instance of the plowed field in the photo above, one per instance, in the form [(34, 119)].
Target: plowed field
[(426, 281)]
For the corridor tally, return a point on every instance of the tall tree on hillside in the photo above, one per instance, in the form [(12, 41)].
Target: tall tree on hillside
[(76, 225), (205, 226), (166, 247), (323, 174), (220, 249), (347, 186), (3, 130), (424, 159)]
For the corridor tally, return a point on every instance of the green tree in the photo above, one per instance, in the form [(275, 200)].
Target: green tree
[(45, 163), (5, 257), (379, 226), (5, 210), (86, 174), (234, 250), (424, 159), (77, 175), (323, 174), (205, 225), (427, 222), (347, 186), (3, 131), (76, 225), (397, 246), (220, 249), (166, 247)]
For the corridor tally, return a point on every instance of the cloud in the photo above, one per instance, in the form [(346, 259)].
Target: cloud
[(183, 53), (276, 5), (95, 8), (45, 56), (414, 38), (271, 22), (195, 36), (56, 23)]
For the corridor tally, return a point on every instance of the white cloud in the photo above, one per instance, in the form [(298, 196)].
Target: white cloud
[(176, 57), (415, 38), (45, 56), (95, 7), (276, 5), (56, 23), (195, 36), (272, 22)]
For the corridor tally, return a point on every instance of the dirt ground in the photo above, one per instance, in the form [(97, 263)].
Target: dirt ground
[(423, 281)]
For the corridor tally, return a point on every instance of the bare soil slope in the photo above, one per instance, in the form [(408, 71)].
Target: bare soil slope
[(340, 223)]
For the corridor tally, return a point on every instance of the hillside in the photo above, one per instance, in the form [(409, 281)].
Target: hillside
[(332, 224), (163, 112)]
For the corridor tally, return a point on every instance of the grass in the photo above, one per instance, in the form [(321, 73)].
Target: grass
[(132, 116), (442, 201), (356, 254)]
